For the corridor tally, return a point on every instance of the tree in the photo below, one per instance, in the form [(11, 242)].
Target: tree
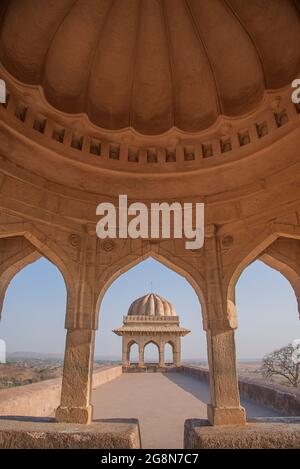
[(283, 362)]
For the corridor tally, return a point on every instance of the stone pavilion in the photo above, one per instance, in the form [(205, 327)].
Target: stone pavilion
[(151, 319)]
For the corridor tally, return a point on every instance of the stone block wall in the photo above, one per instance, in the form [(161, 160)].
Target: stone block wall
[(41, 399), (274, 396)]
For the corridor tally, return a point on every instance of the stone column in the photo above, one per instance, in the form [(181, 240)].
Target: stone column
[(77, 377), (162, 355), (141, 356), (177, 353), (225, 408), (125, 352)]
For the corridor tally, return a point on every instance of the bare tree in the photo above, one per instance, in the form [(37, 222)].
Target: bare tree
[(283, 363)]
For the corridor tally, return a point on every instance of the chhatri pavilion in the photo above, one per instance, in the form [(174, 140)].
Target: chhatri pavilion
[(151, 319)]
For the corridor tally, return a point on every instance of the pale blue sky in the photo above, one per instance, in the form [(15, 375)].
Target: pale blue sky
[(34, 309)]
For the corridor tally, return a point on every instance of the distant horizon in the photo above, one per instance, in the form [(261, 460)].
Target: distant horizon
[(29, 354)]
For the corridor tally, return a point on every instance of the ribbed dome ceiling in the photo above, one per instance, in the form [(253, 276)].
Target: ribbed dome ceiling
[(151, 305), (152, 64)]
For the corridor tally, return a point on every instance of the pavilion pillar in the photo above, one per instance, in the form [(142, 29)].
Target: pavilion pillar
[(141, 356), (75, 406), (77, 377), (177, 353), (125, 352), (162, 355), (225, 408)]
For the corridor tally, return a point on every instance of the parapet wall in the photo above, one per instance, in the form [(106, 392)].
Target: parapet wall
[(270, 395), (269, 433), (22, 434), (105, 375), (41, 399)]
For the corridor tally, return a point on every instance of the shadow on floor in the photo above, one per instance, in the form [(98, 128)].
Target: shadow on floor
[(117, 420), (279, 419), (196, 387), (25, 418)]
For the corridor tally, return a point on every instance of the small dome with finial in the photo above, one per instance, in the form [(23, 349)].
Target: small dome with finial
[(151, 305)]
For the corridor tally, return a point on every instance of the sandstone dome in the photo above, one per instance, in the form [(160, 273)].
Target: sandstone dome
[(152, 65), (151, 305)]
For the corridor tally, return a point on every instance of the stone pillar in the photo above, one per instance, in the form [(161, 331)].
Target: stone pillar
[(141, 356), (162, 355), (177, 353), (77, 377), (225, 408), (125, 352)]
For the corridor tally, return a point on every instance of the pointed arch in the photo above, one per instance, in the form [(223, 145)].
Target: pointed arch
[(52, 251), (157, 345), (178, 265), (257, 251), (151, 341), (43, 246), (171, 344), (130, 344), (289, 270), (14, 264)]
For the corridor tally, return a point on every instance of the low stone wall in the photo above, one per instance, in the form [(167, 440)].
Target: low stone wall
[(256, 434), (274, 396), (149, 368), (41, 399), (105, 375), (197, 372), (32, 400), (20, 434)]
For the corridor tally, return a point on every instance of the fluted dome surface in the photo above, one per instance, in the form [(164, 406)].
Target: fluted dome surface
[(151, 305), (152, 64)]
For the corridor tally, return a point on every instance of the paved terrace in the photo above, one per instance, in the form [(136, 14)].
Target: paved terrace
[(161, 402)]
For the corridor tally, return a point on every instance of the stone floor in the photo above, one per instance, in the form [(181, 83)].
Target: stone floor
[(161, 402)]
